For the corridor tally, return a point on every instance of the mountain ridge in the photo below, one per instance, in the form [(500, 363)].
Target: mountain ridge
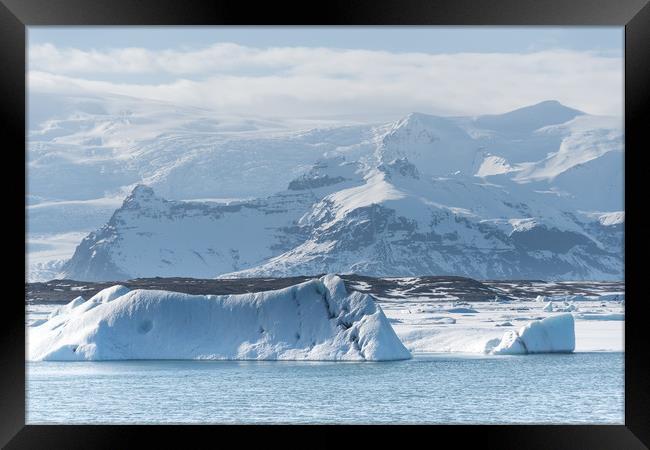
[(468, 200)]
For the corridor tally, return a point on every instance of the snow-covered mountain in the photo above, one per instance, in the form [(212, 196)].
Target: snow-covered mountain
[(533, 193)]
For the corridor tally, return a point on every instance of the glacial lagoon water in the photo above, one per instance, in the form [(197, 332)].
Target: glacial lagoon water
[(436, 389)]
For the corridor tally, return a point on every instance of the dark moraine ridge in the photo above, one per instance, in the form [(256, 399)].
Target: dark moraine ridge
[(433, 288)]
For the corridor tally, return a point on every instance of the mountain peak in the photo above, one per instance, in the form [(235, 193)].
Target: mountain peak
[(425, 128), (422, 119), (549, 102), (549, 105), (416, 116), (139, 195), (142, 190), (529, 118)]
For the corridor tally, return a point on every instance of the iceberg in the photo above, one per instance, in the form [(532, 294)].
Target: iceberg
[(554, 334), (314, 320)]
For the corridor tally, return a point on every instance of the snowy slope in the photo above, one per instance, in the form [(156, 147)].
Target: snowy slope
[(85, 148), (315, 320)]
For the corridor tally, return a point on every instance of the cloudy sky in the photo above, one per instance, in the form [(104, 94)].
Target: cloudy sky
[(361, 73)]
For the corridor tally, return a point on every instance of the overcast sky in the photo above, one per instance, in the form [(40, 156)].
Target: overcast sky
[(365, 73)]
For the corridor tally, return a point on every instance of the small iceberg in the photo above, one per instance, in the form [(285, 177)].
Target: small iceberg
[(555, 334), (314, 320)]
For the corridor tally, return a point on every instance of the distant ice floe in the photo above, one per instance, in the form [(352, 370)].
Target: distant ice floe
[(600, 316), (314, 320)]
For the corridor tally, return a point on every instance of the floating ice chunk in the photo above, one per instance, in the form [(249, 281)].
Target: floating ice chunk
[(314, 320), (540, 298), (549, 307), (555, 334)]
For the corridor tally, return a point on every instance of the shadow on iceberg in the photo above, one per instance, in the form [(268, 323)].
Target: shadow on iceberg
[(314, 320)]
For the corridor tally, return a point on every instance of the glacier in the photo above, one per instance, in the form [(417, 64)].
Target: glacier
[(315, 320)]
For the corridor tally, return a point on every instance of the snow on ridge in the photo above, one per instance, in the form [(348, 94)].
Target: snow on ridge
[(614, 218), (314, 320), (493, 165), (605, 218), (376, 190), (584, 139), (522, 224), (584, 122)]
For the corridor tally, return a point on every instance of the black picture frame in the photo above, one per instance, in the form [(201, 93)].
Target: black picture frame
[(634, 15)]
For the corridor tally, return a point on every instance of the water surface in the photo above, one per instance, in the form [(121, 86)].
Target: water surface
[(441, 389)]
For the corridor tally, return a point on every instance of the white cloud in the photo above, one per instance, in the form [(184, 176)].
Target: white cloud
[(318, 82)]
